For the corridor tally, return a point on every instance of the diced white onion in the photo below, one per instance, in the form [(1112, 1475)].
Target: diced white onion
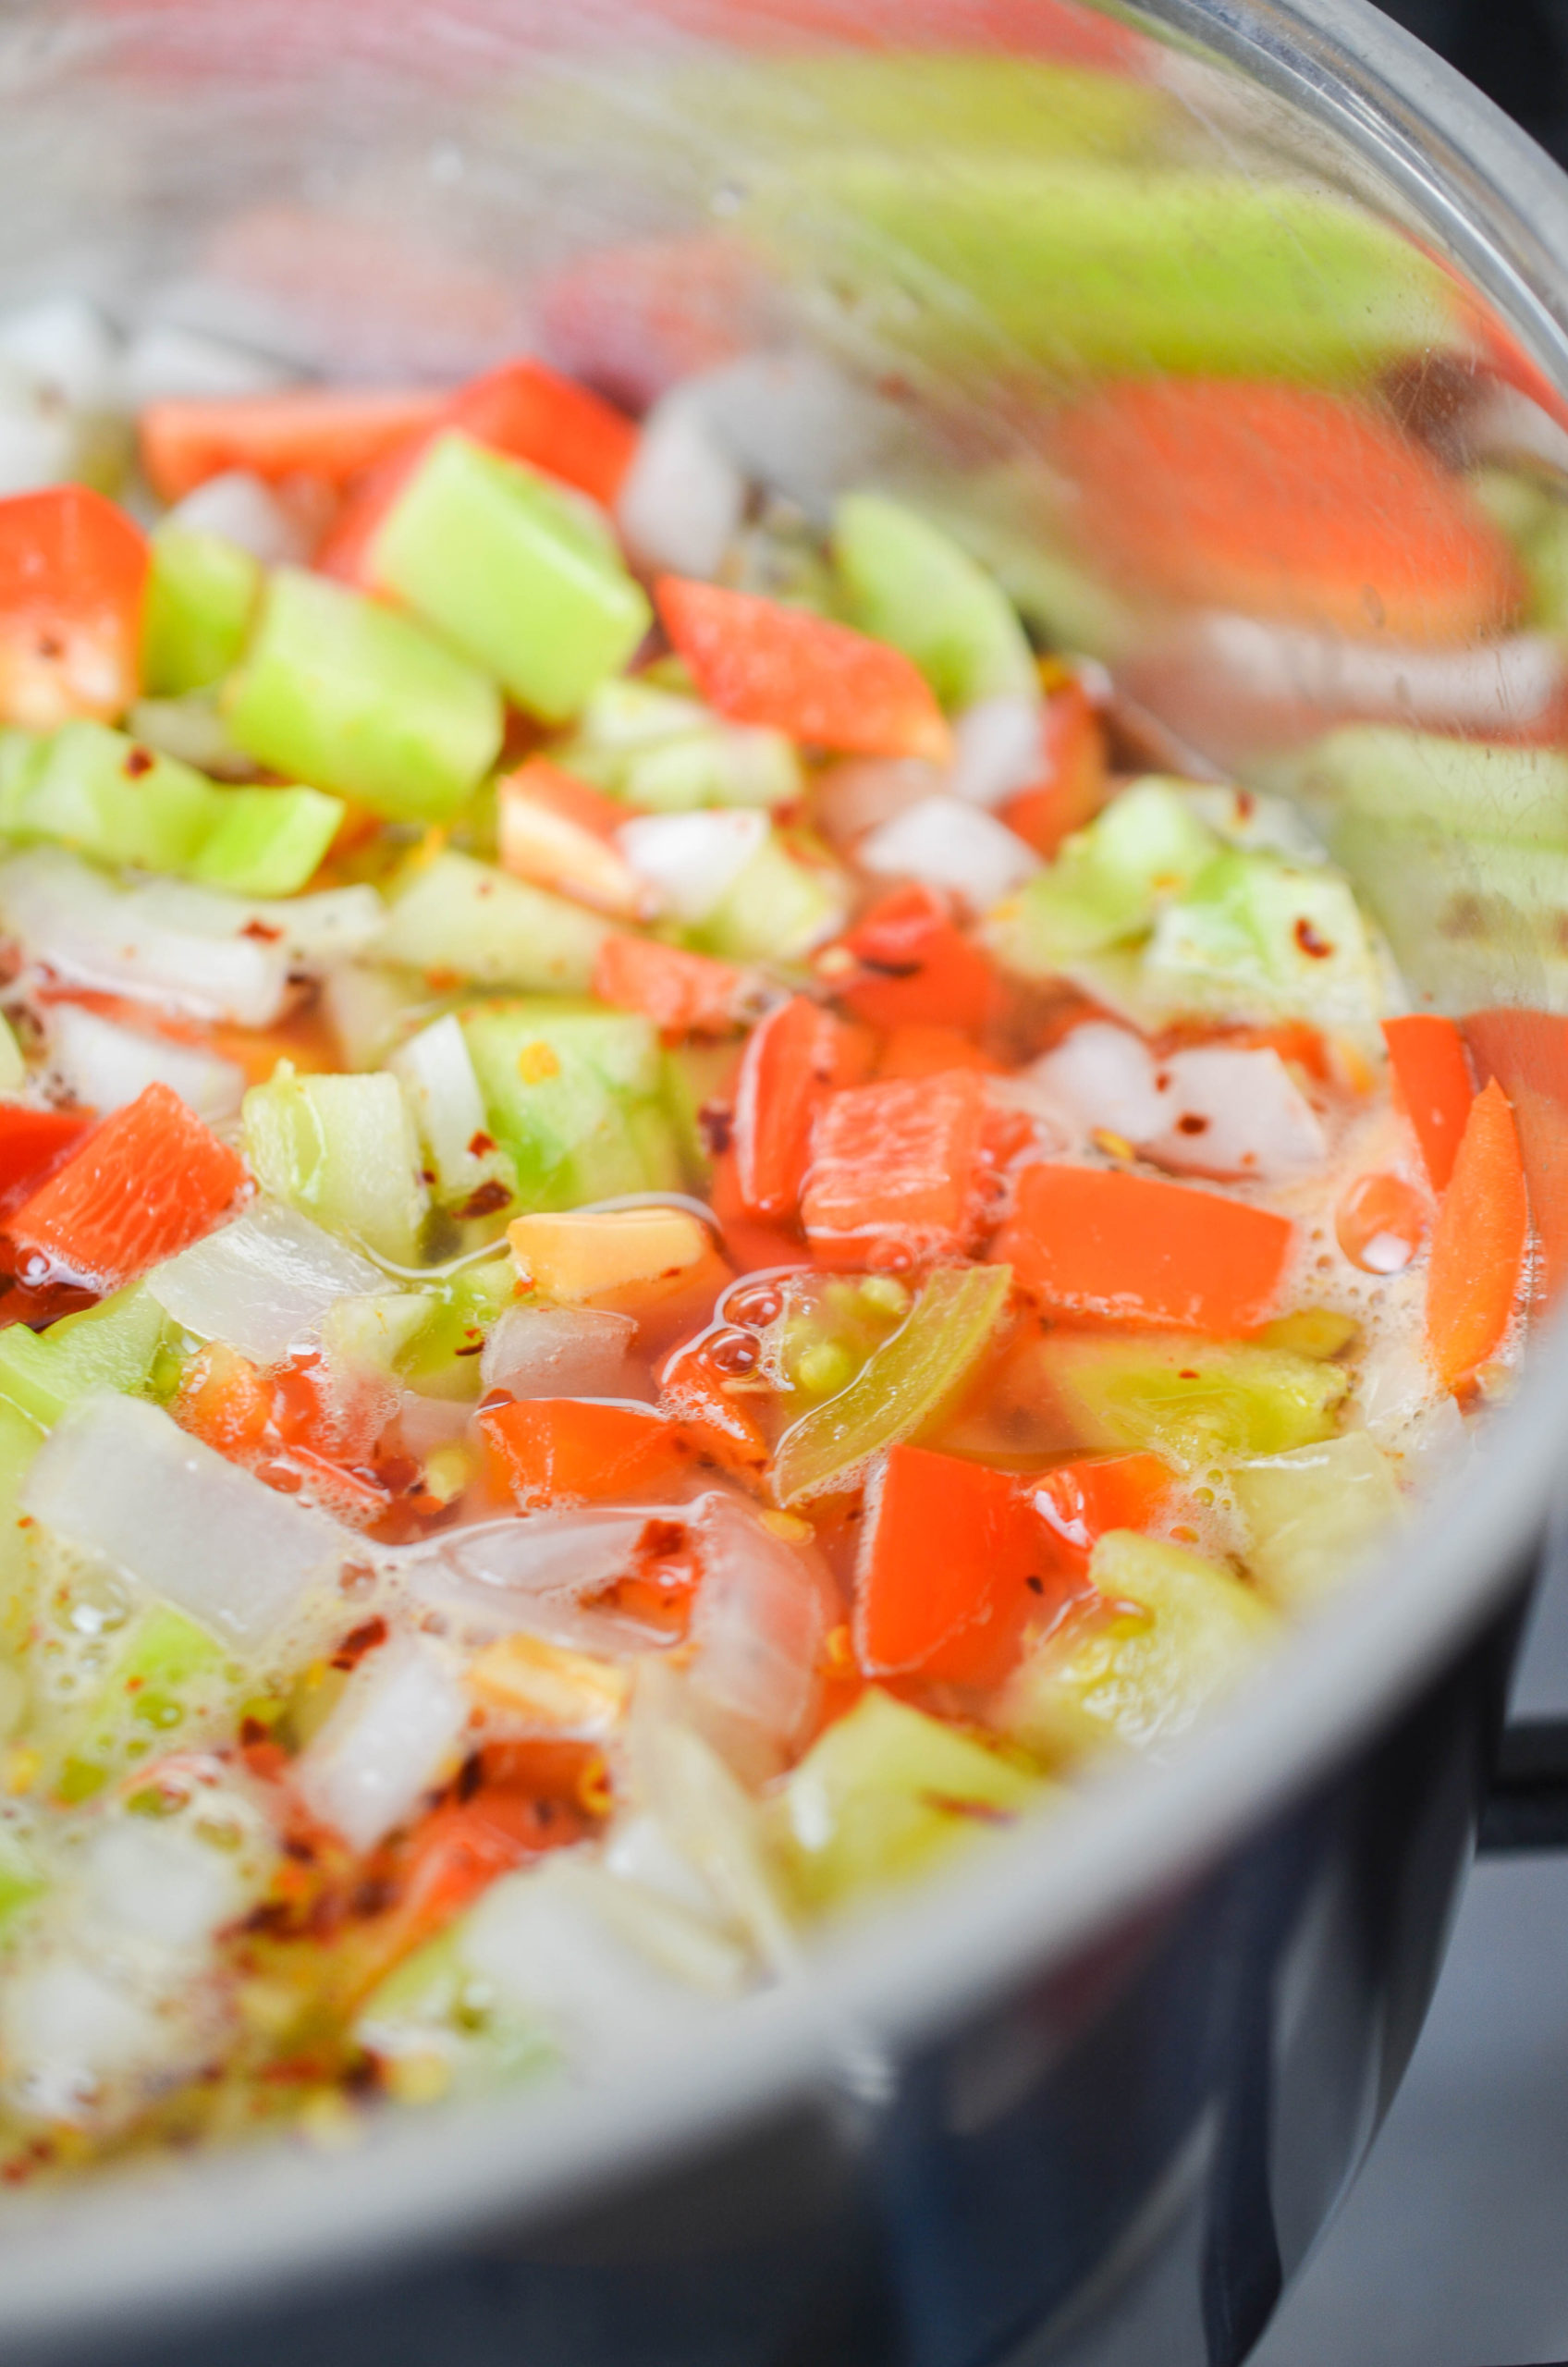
[(163, 362), (1101, 1078), (684, 497), (400, 1717), (761, 1612), (793, 422), (65, 345), (863, 792), (437, 1074), (331, 925), (106, 1066), (38, 444), (996, 749), (692, 860), (560, 1352), (542, 1939), (263, 1283), (1233, 1112), (640, 1850), (66, 915), (68, 2027), (505, 1576), (243, 509), (159, 1882), (118, 1476), (950, 844)]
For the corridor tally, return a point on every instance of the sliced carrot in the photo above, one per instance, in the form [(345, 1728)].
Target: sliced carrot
[(145, 1183), (757, 661), (930, 1051), (1135, 1249), (1527, 1051), (522, 409), (1283, 501), (73, 574), (34, 1143), (942, 1582), (897, 1170), (794, 1060), (1477, 1244), (906, 963), (327, 432), (579, 1450), (1074, 779), (1433, 1074), (683, 994)]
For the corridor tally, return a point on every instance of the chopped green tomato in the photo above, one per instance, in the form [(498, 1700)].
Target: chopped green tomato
[(1471, 787), (828, 1327), (667, 753), (1254, 939), (696, 1077), (1174, 1634), (470, 1175), (885, 1792), (1545, 553), (169, 1679), (1316, 1332), (1469, 920), (190, 729), (106, 795), (1314, 1515), (20, 1438), (521, 574), (21, 753), (574, 1093), (201, 592), (902, 1390), (13, 1067), (113, 1346), (369, 1333), (373, 1008), (1105, 268), (267, 841), (441, 1359), (911, 585), (22, 1880), (339, 691), (780, 907), (341, 1149), (458, 919), (1107, 883), (1196, 1402)]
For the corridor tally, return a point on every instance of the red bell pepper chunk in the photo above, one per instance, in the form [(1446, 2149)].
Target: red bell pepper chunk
[(522, 409), (898, 1168), (1527, 1053), (905, 964), (34, 1143), (579, 1450), (797, 1057), (73, 573), (942, 1578), (683, 994), (932, 1051), (1432, 1072), (757, 661), (750, 1244), (1135, 1249), (1079, 1502), (145, 1183), (332, 433)]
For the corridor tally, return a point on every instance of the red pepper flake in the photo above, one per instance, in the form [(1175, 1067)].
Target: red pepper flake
[(486, 1200), (716, 1123), (1318, 949), (138, 761), (1189, 1122), (480, 1144), (358, 1642), (263, 932)]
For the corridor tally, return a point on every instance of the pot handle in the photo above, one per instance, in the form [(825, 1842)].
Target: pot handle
[(1526, 1807)]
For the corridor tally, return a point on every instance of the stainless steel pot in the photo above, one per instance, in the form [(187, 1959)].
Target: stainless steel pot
[(1091, 2100)]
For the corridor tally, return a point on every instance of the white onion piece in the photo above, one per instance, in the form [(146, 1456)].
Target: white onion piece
[(948, 845), (998, 749), (561, 1352), (163, 362), (427, 1424), (38, 444), (263, 1283), (1101, 1078), (865, 791), (692, 860), (761, 1612), (795, 421), (550, 1943), (506, 1577), (1233, 1112), (244, 511), (159, 1882), (106, 1066), (331, 925), (640, 1849), (67, 916), (68, 2028), (118, 1476), (684, 497), (65, 345), (402, 1715), (437, 1073)]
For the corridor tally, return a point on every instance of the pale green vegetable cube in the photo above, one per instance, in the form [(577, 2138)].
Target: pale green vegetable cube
[(1314, 1515)]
